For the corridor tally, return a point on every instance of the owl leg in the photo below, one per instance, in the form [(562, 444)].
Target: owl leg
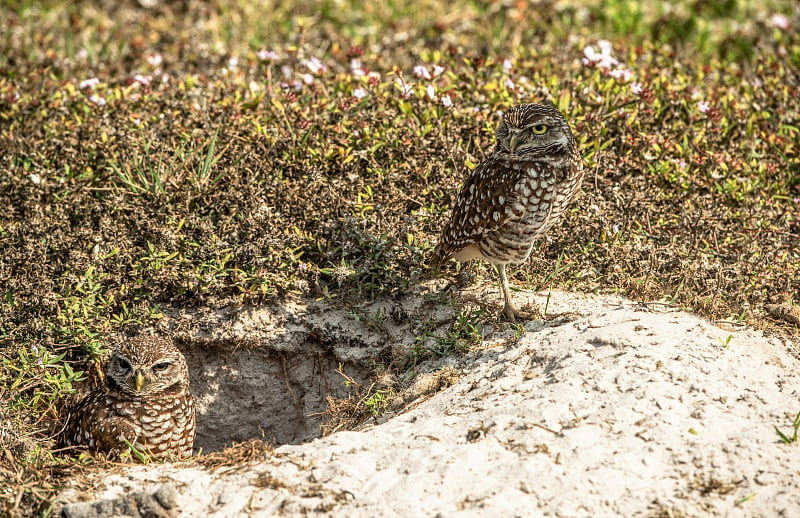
[(510, 311)]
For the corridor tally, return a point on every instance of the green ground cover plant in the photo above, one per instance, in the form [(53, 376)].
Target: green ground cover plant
[(212, 153)]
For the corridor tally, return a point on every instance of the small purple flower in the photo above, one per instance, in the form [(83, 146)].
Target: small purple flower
[(268, 55), (143, 80), (446, 101), (703, 106), (316, 66), (430, 91), (359, 93), (233, 62), (621, 73), (308, 79), (507, 64), (405, 89), (603, 58), (437, 70), (636, 88), (422, 72), (89, 83), (356, 68), (154, 60), (96, 99), (509, 84), (780, 21)]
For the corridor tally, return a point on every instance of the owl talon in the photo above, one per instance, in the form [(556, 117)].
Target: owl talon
[(511, 313)]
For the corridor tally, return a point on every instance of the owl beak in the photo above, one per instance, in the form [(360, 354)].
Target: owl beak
[(512, 144), (139, 380)]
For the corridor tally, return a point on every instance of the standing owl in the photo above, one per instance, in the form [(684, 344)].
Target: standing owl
[(144, 399), (515, 195)]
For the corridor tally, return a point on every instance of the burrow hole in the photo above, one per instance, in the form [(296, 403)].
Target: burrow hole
[(276, 396)]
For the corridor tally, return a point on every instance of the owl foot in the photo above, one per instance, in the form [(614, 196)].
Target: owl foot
[(511, 313)]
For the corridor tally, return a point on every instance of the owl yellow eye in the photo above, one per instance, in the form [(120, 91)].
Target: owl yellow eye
[(539, 129), (161, 366)]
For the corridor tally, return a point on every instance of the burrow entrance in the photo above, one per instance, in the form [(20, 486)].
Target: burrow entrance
[(277, 396), (265, 373)]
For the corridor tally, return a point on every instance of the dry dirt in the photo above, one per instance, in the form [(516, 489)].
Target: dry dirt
[(265, 372), (615, 408)]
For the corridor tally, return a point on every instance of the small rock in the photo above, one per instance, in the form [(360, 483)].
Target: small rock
[(166, 495), (160, 504)]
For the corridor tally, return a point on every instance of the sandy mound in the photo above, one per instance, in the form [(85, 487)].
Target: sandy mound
[(618, 410)]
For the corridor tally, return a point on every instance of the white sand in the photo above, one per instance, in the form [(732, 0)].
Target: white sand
[(614, 412)]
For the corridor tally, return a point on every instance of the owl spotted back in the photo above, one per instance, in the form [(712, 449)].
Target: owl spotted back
[(516, 194), (144, 399)]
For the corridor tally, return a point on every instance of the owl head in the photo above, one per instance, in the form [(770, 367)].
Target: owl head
[(146, 365), (533, 130)]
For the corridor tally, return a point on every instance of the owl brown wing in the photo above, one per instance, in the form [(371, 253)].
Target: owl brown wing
[(95, 424), (79, 428), (181, 433), (488, 200)]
